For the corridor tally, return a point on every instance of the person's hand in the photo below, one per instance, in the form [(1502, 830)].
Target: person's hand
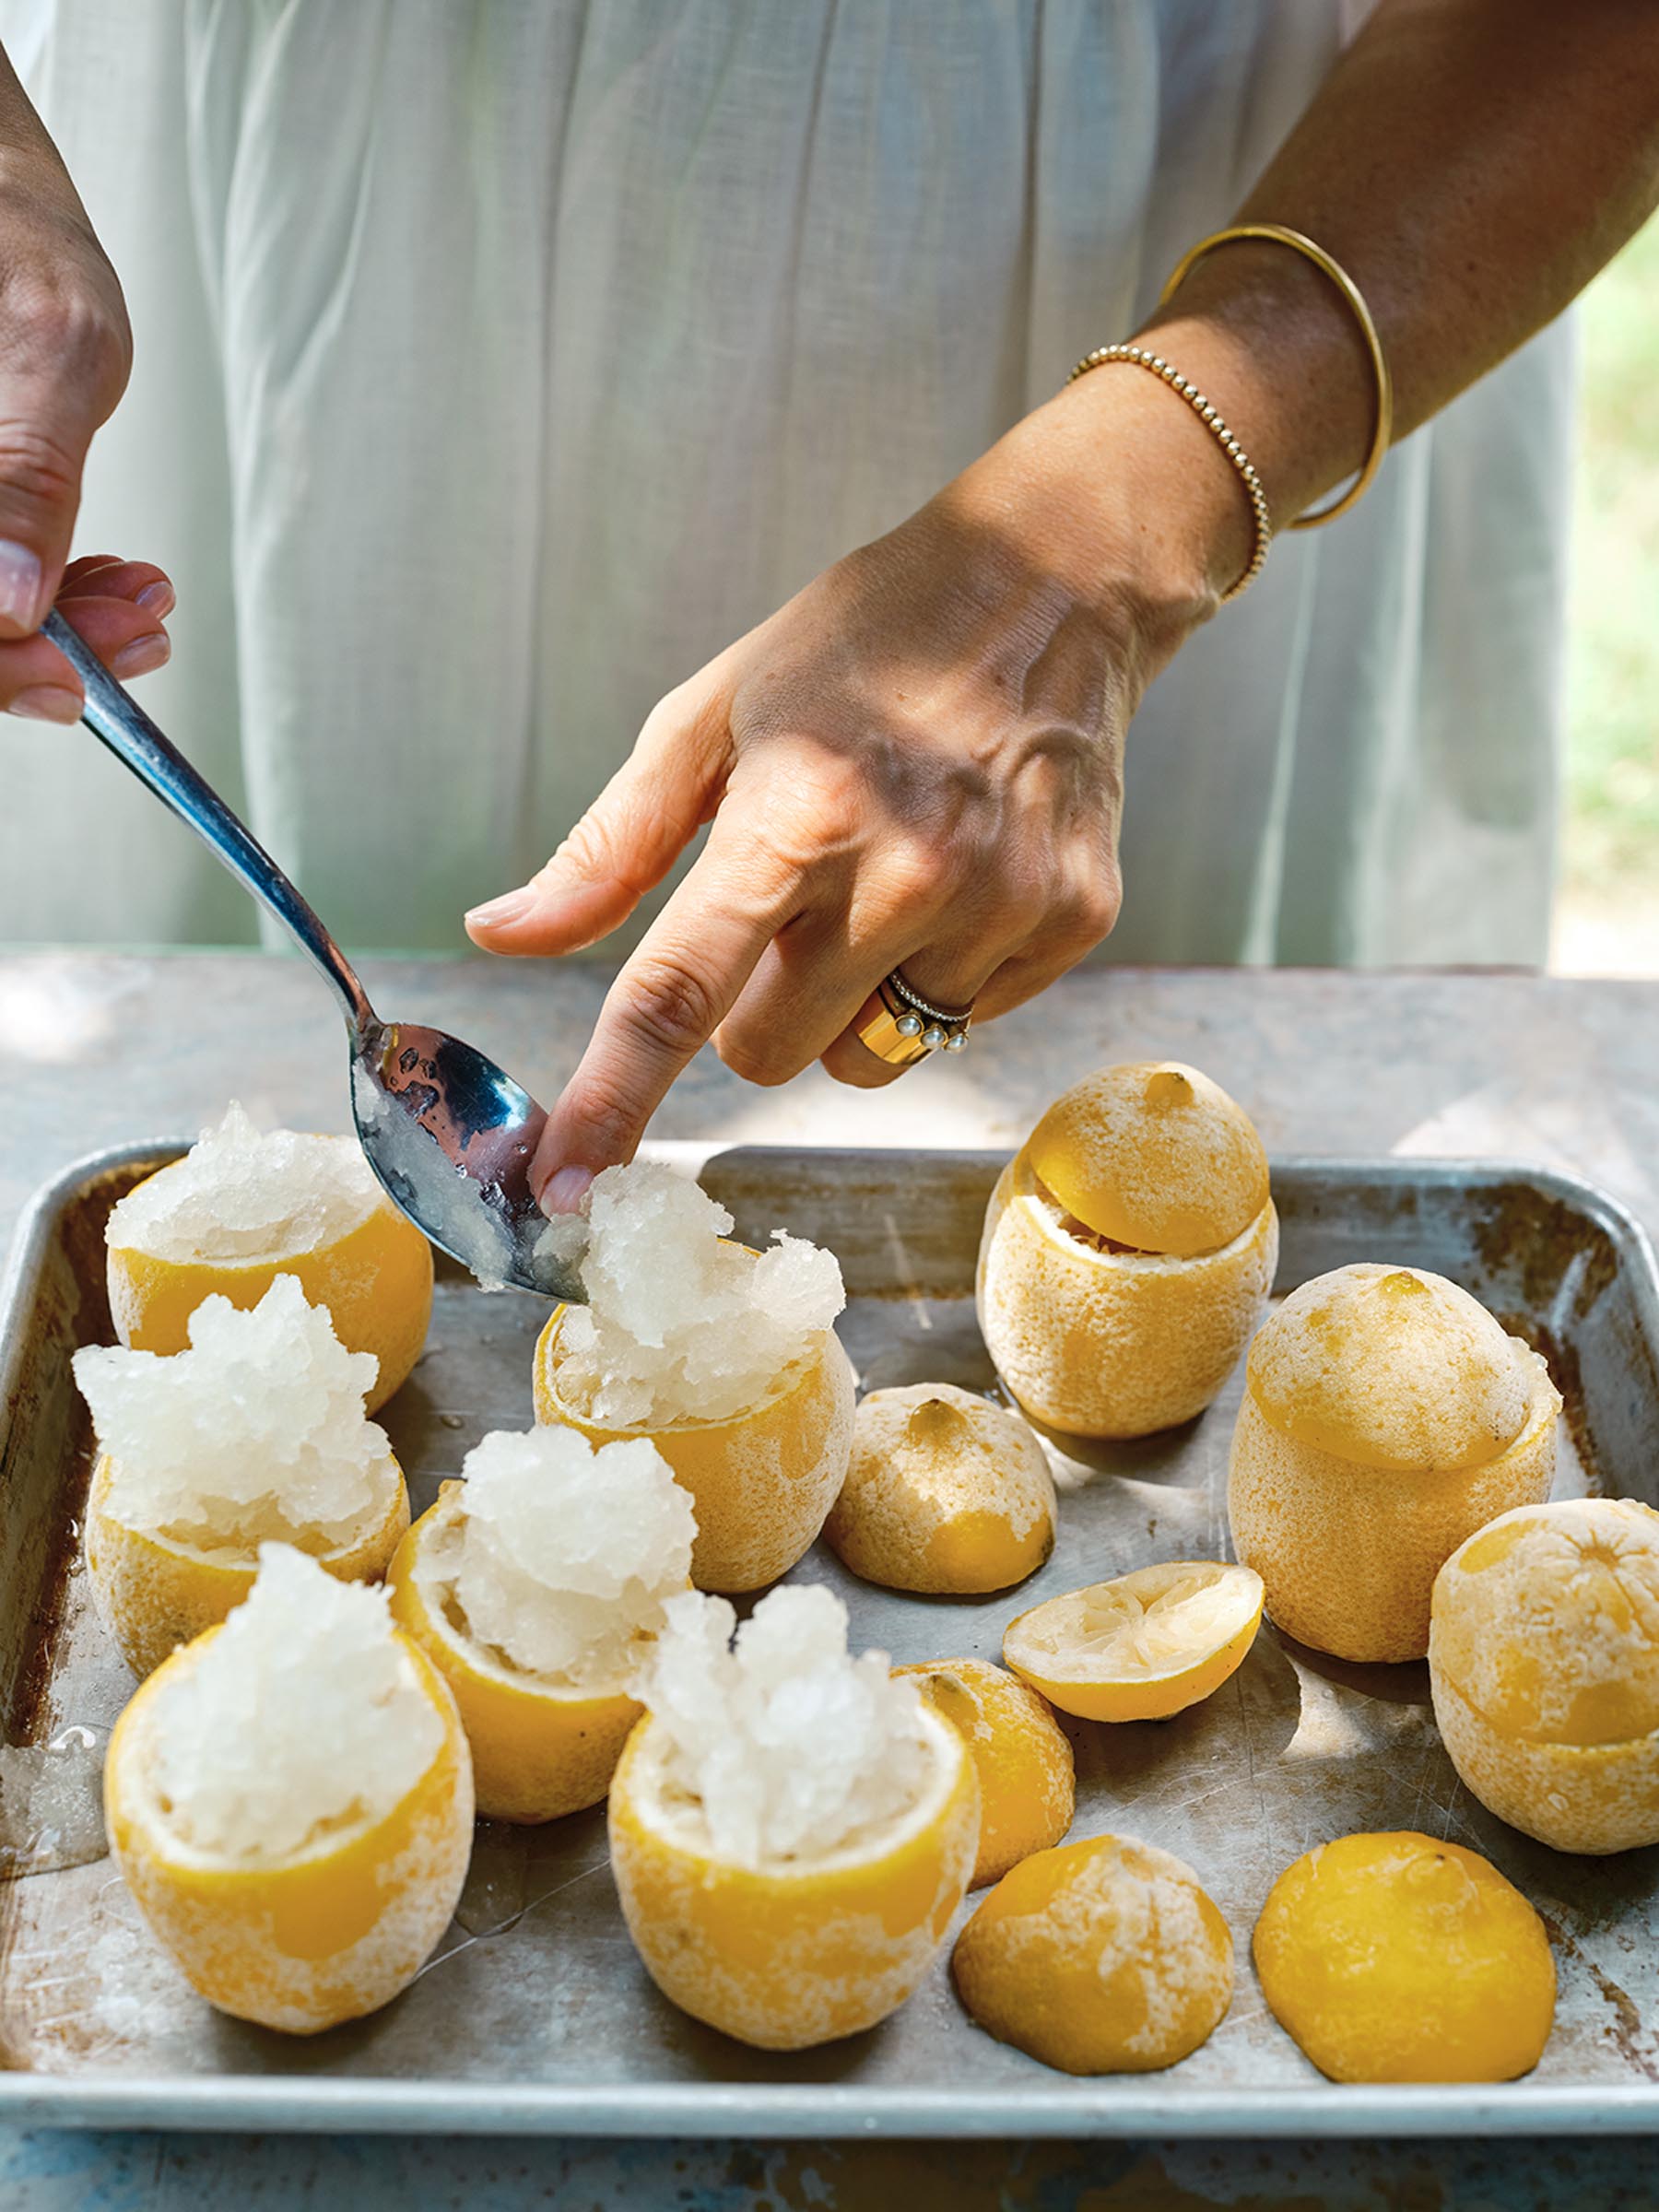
[(64, 354), (916, 762)]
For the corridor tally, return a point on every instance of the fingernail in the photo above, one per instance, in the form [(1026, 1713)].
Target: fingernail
[(47, 702), (510, 907), (566, 1192), (143, 655), (19, 583), (157, 598)]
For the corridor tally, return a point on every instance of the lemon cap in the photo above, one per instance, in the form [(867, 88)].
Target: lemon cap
[(1152, 1154), (1395, 1368)]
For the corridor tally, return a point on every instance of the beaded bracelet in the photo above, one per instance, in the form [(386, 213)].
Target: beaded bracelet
[(1143, 357)]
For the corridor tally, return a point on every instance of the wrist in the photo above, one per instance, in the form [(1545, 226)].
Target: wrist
[(1154, 523)]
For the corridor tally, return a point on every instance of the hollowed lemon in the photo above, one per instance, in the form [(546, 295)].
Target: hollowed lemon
[(315, 1937), (794, 1952), (1127, 1253), (375, 1280), (539, 1748), (154, 1592), (762, 1481)]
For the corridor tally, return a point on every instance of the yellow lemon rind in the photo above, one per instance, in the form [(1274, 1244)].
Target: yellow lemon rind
[(787, 1958), (153, 1593), (540, 1750), (761, 1482), (1021, 1755), (1112, 1343), (327, 1935), (1047, 1964), (1463, 1993), (1348, 1555), (375, 1281)]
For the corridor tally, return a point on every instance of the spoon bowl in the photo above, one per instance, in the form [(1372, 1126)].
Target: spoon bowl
[(450, 1135)]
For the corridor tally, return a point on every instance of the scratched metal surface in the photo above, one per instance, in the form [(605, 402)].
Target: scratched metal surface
[(535, 2016)]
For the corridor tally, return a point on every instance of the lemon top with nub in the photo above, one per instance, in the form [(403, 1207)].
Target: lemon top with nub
[(1392, 1368), (1153, 1156), (1547, 1621)]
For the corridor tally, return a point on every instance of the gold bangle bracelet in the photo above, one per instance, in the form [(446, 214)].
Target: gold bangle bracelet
[(1143, 357), (1276, 234)]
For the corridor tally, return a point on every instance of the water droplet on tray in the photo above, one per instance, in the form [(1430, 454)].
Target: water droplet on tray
[(51, 1803), (495, 1895), (452, 1420)]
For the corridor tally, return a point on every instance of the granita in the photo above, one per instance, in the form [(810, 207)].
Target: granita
[(536, 1585), (255, 1431), (725, 1358), (290, 1800), (243, 1207), (791, 1827)]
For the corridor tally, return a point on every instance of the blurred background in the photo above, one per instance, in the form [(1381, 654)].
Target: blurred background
[(1606, 919)]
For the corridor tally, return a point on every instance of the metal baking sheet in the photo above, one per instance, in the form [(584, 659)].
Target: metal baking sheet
[(535, 2016)]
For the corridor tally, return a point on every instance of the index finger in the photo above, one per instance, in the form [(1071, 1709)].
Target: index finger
[(668, 1002)]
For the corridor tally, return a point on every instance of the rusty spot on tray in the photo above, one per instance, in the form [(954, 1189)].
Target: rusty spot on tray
[(1562, 1361), (82, 1317), (1543, 1238), (1626, 2029)]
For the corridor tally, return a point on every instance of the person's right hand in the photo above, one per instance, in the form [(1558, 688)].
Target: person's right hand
[(65, 351)]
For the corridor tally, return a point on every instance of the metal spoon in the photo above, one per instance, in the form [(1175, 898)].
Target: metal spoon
[(448, 1134)]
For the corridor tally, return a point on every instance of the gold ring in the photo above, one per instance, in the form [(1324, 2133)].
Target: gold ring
[(900, 1027)]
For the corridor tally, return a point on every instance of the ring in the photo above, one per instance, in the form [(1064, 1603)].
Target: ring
[(900, 1026)]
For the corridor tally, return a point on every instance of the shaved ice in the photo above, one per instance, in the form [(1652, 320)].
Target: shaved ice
[(256, 1432), (678, 1324), (239, 1194), (304, 1713), (565, 1554), (790, 1746)]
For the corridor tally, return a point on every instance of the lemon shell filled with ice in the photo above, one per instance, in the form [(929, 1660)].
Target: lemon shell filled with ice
[(241, 1208), (255, 1432), (722, 1357), (298, 1867), (787, 1885), (534, 1586), (1127, 1253)]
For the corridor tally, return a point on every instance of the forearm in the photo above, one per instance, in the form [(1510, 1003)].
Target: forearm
[(1472, 163)]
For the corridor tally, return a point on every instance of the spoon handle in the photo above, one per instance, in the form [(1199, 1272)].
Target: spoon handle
[(111, 714)]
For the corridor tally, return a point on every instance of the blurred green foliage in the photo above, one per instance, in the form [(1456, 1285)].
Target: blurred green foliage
[(1612, 828)]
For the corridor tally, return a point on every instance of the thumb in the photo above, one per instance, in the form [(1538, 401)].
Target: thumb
[(626, 840)]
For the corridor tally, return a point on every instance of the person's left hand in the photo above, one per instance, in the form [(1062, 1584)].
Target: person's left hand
[(917, 762)]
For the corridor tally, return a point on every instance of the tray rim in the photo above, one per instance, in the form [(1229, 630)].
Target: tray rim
[(1120, 2106)]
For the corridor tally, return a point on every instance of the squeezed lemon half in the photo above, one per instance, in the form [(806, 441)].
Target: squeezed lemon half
[(1142, 1646)]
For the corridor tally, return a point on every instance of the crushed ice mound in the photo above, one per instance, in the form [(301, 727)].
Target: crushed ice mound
[(565, 1554), (304, 1713), (792, 1746), (256, 1432), (238, 1195), (680, 1325)]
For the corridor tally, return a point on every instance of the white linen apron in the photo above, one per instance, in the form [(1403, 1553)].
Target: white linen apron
[(498, 361)]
